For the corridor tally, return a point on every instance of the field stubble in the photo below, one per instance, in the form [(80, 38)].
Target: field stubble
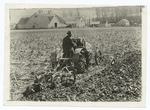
[(30, 51)]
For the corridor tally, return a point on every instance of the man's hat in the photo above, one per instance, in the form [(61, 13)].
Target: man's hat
[(69, 32)]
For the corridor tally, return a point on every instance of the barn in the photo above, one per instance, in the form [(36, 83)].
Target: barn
[(123, 22), (41, 21), (75, 21)]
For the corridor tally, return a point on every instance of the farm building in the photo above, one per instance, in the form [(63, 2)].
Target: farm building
[(104, 24), (123, 22), (95, 23), (41, 20), (75, 21), (112, 24), (133, 23)]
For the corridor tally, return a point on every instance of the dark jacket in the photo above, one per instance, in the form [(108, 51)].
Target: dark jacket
[(67, 44)]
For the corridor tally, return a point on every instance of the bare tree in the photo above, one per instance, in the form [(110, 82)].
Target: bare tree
[(89, 19), (78, 12), (104, 14), (86, 18), (97, 13), (40, 11), (141, 13), (138, 13), (49, 11), (130, 16), (64, 14), (124, 12), (117, 14), (112, 17), (70, 13)]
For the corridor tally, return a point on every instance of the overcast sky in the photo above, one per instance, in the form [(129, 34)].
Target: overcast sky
[(15, 15)]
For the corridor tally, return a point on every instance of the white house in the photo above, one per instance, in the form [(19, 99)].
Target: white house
[(75, 21), (123, 22)]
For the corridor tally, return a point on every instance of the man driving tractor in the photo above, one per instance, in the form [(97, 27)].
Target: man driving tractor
[(68, 45)]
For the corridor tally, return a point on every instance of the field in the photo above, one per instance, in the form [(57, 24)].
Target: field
[(30, 51)]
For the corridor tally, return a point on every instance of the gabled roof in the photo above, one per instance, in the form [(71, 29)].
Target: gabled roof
[(23, 21), (125, 20), (60, 19), (50, 18)]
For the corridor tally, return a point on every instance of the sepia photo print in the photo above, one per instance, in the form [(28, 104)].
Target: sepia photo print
[(76, 54)]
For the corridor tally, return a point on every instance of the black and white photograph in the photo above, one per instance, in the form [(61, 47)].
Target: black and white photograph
[(77, 54)]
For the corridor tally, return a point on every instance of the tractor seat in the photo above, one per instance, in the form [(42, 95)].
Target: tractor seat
[(66, 58)]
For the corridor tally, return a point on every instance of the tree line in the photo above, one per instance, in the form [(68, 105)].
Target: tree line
[(110, 14)]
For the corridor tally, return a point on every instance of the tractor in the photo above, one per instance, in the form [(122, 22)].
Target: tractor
[(67, 65)]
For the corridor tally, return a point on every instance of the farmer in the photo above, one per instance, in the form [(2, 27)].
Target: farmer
[(68, 45)]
